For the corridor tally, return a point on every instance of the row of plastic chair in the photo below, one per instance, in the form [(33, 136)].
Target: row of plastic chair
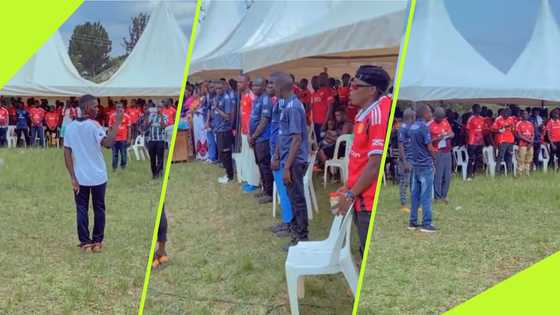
[(11, 138)]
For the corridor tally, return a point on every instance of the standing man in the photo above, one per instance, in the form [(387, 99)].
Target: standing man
[(83, 156), (292, 153), (476, 128), (553, 133), (441, 134), (37, 115), (155, 138), (525, 133), (206, 111), (22, 124), (322, 100), (537, 122), (4, 122), (52, 121), (404, 167), (168, 111), (121, 138), (221, 117), (503, 126), (421, 158), (367, 92), (246, 165), (259, 137)]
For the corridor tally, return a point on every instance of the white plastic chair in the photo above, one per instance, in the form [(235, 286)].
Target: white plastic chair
[(275, 199), (138, 148), (514, 153), (11, 137), (309, 190), (341, 163), (461, 156), (489, 160), (330, 256), (544, 157)]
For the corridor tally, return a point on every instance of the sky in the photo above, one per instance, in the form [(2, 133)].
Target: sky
[(116, 17)]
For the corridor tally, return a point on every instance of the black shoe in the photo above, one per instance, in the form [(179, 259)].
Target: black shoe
[(412, 226), (265, 199), (259, 195), (428, 229), (283, 233), (279, 227)]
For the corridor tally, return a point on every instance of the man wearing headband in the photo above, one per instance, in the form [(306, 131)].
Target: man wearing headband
[(368, 89)]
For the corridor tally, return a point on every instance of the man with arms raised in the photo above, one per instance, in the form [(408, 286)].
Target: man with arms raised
[(367, 92), (83, 155)]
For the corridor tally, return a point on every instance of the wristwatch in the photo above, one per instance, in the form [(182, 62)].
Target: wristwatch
[(349, 195)]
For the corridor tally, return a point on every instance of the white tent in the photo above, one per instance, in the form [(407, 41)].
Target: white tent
[(448, 63), (49, 72), (156, 64), (348, 34)]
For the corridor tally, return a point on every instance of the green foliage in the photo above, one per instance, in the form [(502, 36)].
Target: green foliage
[(89, 48), (135, 30)]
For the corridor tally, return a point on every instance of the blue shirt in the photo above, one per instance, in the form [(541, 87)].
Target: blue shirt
[(293, 122), (262, 108), (405, 140), (21, 118), (275, 124), (219, 124), (420, 137)]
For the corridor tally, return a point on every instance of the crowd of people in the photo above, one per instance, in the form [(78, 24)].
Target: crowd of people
[(265, 130), (423, 139)]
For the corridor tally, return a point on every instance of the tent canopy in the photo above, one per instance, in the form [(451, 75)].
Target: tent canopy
[(452, 60), (156, 64), (49, 72)]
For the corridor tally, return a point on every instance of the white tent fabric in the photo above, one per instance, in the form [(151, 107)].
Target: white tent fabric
[(220, 18), (444, 64), (156, 64), (372, 28), (49, 72)]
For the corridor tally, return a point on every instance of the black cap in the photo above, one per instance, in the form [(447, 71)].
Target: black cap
[(375, 76)]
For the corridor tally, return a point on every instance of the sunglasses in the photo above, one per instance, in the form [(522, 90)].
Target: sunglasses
[(354, 84)]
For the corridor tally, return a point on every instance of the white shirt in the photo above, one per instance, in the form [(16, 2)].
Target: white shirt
[(84, 138)]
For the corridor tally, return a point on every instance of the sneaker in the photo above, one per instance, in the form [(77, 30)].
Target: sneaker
[(224, 180), (265, 199), (85, 247), (294, 242), (428, 229), (249, 188), (412, 226), (279, 227), (283, 233), (96, 248), (405, 209)]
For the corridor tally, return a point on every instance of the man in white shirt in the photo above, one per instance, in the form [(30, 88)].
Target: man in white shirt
[(83, 156)]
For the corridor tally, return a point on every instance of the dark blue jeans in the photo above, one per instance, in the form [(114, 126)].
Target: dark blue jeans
[(3, 134), (212, 146), (297, 200), (119, 148), (162, 231), (421, 195), (37, 132), (82, 205)]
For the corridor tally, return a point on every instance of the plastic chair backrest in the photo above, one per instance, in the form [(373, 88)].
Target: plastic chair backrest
[(543, 153), (312, 159), (343, 138), (342, 229), (464, 154)]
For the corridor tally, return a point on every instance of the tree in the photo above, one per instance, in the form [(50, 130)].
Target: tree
[(89, 48), (137, 26)]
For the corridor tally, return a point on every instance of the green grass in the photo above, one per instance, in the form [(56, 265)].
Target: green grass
[(43, 272), (491, 229), (222, 259)]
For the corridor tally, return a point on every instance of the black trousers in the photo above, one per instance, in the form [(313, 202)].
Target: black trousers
[(555, 152), (262, 157), (3, 136), (22, 132), (361, 220), (475, 158), (224, 141), (82, 205), (536, 151), (162, 231), (155, 150), (297, 199)]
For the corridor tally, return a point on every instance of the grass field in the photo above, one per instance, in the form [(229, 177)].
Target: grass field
[(222, 259), (491, 229), (43, 272)]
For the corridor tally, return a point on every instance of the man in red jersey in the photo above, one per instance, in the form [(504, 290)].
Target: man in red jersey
[(441, 134), (321, 103), (122, 137), (476, 128), (52, 120), (552, 130), (246, 166), (134, 113), (504, 127), (525, 133), (368, 92), (37, 115)]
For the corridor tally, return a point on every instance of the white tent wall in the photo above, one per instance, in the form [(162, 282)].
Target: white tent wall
[(442, 65), (348, 26), (220, 18), (156, 64), (48, 73)]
